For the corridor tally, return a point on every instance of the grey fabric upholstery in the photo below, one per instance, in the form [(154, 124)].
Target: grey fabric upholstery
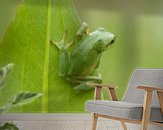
[(132, 111), (147, 77), (115, 108), (132, 103)]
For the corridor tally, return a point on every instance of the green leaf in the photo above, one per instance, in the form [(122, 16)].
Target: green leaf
[(3, 109), (25, 97), (27, 45), (9, 126), (20, 99), (4, 72)]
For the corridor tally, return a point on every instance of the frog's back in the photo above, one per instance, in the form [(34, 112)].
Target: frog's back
[(84, 59)]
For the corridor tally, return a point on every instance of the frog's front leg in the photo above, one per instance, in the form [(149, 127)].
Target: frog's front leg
[(64, 57), (83, 30), (61, 44)]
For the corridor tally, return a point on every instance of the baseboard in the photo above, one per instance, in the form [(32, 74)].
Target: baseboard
[(44, 117)]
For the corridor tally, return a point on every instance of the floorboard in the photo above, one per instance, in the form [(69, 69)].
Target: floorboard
[(61, 122)]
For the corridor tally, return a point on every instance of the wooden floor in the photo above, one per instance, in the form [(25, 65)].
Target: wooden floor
[(61, 122), (68, 125)]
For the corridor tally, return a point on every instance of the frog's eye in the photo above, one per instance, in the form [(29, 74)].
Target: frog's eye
[(99, 41), (112, 41)]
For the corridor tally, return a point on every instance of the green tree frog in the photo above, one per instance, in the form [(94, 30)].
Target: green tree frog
[(78, 64)]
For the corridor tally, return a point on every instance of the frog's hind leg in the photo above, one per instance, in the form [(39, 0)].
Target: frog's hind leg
[(83, 87), (81, 79), (84, 81)]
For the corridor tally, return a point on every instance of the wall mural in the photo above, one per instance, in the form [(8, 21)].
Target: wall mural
[(26, 43)]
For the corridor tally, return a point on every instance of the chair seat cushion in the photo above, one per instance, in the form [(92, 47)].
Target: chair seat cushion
[(131, 111)]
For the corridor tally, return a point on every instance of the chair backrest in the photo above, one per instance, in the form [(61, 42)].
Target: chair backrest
[(147, 77)]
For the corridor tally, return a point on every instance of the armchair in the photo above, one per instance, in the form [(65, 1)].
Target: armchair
[(142, 103)]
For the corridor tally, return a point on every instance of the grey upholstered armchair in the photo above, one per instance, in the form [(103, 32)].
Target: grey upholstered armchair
[(142, 103)]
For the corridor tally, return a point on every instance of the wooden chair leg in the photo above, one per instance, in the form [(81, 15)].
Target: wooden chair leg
[(124, 125), (94, 123), (113, 94), (146, 110), (160, 98)]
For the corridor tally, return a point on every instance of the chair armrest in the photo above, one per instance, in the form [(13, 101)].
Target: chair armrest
[(98, 88), (101, 85), (150, 88)]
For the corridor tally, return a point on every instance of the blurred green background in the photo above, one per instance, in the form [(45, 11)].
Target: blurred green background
[(138, 26)]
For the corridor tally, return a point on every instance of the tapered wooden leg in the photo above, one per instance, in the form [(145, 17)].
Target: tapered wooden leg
[(160, 98), (94, 123), (124, 125), (146, 110)]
